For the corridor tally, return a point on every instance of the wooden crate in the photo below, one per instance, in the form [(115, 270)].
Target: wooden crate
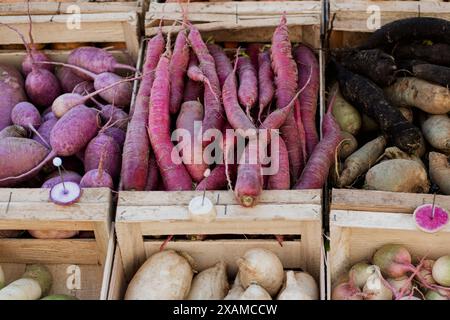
[(141, 214), (348, 20), (31, 209), (242, 21), (117, 22), (362, 221)]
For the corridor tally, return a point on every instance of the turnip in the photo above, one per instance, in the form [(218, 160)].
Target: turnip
[(263, 267), (35, 283), (308, 283), (13, 131), (26, 115), (43, 133), (236, 290), (348, 145), (436, 130), (98, 177), (166, 275), (293, 290), (346, 291), (441, 271), (67, 78), (114, 115), (375, 288), (425, 272), (430, 218), (359, 273), (95, 60), (255, 292), (393, 260), (103, 143), (210, 284), (399, 284)]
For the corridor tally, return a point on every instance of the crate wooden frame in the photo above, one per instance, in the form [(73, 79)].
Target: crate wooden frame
[(31, 209), (119, 23), (348, 19), (361, 221), (242, 21)]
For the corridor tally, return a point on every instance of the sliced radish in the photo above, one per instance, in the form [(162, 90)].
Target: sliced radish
[(426, 221), (65, 193)]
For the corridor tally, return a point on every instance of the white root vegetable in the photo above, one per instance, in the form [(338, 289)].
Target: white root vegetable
[(396, 153), (308, 283), (440, 171), (374, 288), (236, 290), (359, 273), (263, 267), (202, 209), (398, 175), (293, 290), (400, 283), (255, 292), (166, 275), (348, 145), (2, 278), (210, 284), (441, 271), (34, 284), (436, 130)]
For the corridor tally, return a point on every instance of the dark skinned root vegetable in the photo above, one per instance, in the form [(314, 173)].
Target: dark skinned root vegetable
[(436, 53), (70, 134), (316, 170), (65, 193), (26, 115), (432, 73), (19, 155), (117, 134), (13, 131), (373, 64), (95, 60), (67, 78), (119, 96), (93, 155), (135, 155), (425, 28), (98, 177), (369, 98)]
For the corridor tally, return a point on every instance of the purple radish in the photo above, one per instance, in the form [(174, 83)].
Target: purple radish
[(67, 78), (44, 132), (53, 179), (48, 115), (112, 159), (13, 131), (429, 221), (70, 134), (114, 116), (26, 115), (95, 60), (67, 101), (98, 178), (117, 134), (11, 87), (65, 193), (19, 155), (120, 95)]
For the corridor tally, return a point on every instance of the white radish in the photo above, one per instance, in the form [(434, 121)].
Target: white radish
[(210, 284), (34, 284), (263, 267), (400, 283), (166, 275), (308, 283), (255, 292), (374, 288), (359, 273), (441, 271), (236, 290), (293, 290)]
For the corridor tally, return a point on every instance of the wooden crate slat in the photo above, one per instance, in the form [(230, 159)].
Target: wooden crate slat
[(136, 198), (381, 201), (73, 251)]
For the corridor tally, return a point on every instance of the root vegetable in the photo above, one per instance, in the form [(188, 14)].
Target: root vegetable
[(434, 295), (68, 79), (360, 161), (59, 297), (280, 180), (65, 193), (375, 289), (400, 283), (294, 290), (398, 175), (368, 97), (393, 260), (440, 171), (223, 64), (308, 283), (26, 115), (67, 176), (368, 124), (217, 180), (421, 94), (52, 234), (248, 84), (359, 273), (346, 115), (266, 87), (11, 87), (94, 152), (97, 178), (96, 60), (348, 145), (34, 283), (436, 130), (236, 290), (262, 267), (165, 275), (433, 73), (436, 53), (117, 134), (13, 131), (44, 131), (308, 70), (135, 157), (407, 113), (396, 153), (210, 284), (193, 91), (255, 292), (441, 271), (178, 67), (116, 116)]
